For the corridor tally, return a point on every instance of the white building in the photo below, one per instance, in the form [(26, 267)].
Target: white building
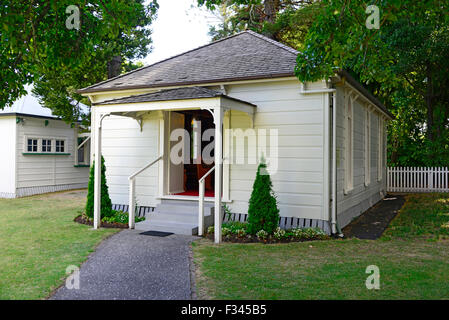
[(40, 152), (242, 82)]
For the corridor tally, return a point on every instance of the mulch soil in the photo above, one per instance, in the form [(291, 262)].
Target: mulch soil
[(84, 220), (372, 224)]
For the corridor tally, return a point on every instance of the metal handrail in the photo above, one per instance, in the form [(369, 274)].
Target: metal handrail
[(132, 191)]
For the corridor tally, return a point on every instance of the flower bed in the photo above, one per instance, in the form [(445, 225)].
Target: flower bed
[(237, 232), (117, 220)]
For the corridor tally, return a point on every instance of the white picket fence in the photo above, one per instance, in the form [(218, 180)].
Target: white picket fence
[(420, 179)]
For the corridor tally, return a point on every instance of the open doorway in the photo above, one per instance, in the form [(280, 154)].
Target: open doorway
[(199, 154)]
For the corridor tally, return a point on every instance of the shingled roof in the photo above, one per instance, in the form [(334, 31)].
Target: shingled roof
[(170, 95), (244, 56)]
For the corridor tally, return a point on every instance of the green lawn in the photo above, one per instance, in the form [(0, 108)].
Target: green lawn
[(413, 259), (38, 240)]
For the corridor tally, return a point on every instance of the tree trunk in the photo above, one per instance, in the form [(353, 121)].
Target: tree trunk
[(114, 67), (270, 10)]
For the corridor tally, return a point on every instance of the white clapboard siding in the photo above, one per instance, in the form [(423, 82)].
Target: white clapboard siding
[(418, 179)]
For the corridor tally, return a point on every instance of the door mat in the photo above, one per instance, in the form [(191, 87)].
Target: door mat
[(156, 233)]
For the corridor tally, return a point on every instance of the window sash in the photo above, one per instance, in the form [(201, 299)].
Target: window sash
[(349, 158), (380, 149)]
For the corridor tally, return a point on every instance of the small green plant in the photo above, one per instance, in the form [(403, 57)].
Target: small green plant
[(225, 231), (241, 233), (106, 204), (120, 217), (262, 234), (227, 212), (263, 213), (210, 229), (279, 233)]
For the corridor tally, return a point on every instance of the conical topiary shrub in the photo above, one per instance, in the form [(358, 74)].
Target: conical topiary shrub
[(106, 204), (263, 213)]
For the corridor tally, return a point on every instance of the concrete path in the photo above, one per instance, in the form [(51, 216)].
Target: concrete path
[(129, 265)]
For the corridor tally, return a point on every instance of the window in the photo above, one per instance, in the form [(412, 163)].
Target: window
[(81, 151), (367, 147), (380, 149), (32, 145), (46, 145), (349, 156), (60, 146)]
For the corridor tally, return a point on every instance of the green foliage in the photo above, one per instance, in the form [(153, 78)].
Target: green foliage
[(121, 217), (106, 204), (263, 213), (37, 47), (405, 63)]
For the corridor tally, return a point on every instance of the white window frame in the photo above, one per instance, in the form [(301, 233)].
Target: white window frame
[(37, 145), (367, 146), (380, 147), (40, 145), (65, 145), (46, 146), (349, 143)]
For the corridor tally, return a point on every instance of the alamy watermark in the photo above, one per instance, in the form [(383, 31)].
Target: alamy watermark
[(73, 280), (73, 20), (373, 280), (373, 20)]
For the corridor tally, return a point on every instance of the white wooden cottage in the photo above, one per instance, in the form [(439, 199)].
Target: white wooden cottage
[(41, 153), (323, 141)]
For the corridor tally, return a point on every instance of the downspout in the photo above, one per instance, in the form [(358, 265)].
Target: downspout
[(333, 218)]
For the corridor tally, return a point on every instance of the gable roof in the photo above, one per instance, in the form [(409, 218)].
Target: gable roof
[(243, 56), (29, 105), (183, 93)]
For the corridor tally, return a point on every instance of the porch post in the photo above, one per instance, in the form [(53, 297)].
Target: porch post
[(218, 119), (97, 175)]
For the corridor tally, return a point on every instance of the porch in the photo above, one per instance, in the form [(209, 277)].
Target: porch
[(170, 108)]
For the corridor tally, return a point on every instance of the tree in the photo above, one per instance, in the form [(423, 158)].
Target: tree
[(405, 62), (263, 213), (276, 19), (40, 44), (106, 203)]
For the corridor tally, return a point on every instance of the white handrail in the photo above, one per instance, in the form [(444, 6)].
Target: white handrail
[(144, 168), (132, 191), (201, 202)]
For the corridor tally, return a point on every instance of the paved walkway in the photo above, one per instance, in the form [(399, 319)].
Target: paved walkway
[(371, 224), (129, 265)]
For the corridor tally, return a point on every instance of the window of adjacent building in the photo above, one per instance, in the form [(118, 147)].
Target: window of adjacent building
[(32, 145), (367, 147), (349, 156), (46, 145), (60, 146), (380, 149)]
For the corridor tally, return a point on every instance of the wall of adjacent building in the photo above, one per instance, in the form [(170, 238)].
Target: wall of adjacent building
[(47, 173), (8, 159)]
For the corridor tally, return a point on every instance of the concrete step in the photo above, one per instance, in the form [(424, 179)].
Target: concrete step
[(168, 226), (164, 208), (177, 217)]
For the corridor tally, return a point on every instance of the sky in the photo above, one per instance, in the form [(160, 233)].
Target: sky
[(179, 27)]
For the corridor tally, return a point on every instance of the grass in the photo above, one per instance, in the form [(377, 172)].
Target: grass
[(39, 240), (411, 266)]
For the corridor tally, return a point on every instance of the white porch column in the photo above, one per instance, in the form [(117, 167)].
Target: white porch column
[(218, 119), (97, 175)]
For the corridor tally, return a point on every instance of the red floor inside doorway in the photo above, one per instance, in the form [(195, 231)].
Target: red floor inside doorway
[(194, 193)]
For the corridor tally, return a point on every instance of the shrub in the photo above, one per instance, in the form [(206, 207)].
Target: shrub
[(279, 233), (106, 204), (210, 229), (233, 226), (120, 217), (262, 234), (241, 233), (263, 213), (309, 233)]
